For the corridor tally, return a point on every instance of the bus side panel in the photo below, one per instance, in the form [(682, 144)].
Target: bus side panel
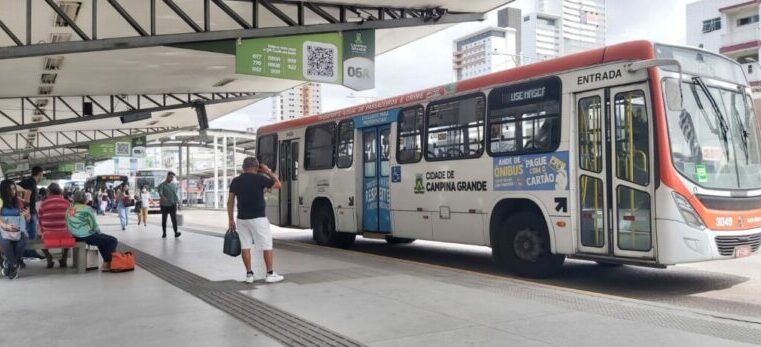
[(272, 207)]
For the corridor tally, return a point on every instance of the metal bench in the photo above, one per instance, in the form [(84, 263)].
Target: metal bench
[(79, 255)]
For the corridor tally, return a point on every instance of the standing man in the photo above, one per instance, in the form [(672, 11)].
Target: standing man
[(30, 196), (168, 199), (254, 227)]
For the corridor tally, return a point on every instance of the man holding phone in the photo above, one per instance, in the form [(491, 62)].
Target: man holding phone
[(252, 224)]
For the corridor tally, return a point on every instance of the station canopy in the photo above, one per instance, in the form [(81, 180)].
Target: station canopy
[(84, 71)]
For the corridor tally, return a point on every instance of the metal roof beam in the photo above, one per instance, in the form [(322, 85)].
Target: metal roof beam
[(364, 17), (168, 102)]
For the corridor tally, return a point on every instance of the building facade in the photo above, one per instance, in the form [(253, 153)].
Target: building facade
[(484, 51), (729, 27), (561, 27), (300, 101)]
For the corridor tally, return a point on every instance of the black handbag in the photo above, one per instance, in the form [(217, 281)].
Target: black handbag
[(232, 243)]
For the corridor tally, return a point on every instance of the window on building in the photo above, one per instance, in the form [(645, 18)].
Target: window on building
[(525, 117), (320, 146), (345, 150), (455, 128), (409, 139), (747, 20), (712, 24), (266, 150)]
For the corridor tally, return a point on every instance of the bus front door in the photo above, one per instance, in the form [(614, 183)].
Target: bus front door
[(614, 173), (376, 148), (289, 174)]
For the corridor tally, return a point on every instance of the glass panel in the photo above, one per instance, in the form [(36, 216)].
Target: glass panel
[(633, 211), (409, 149), (283, 172), (320, 146), (295, 156), (385, 150), (266, 151), (632, 137), (344, 155), (369, 153), (527, 111), (455, 128), (590, 133), (592, 212)]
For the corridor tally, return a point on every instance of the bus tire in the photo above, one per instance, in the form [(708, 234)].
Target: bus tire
[(391, 240), (324, 230), (523, 247)]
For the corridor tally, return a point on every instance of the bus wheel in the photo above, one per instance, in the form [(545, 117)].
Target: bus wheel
[(398, 240), (524, 247), (324, 230)]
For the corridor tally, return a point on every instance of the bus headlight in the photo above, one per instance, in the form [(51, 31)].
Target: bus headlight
[(688, 213)]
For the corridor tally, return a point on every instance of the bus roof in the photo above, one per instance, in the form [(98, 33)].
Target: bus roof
[(633, 50)]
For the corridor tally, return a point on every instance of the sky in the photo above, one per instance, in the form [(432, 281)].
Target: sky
[(401, 70)]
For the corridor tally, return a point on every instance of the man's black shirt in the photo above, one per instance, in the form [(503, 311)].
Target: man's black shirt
[(31, 185), (249, 190)]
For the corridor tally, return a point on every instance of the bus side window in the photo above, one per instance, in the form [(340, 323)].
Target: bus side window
[(266, 149), (345, 154), (410, 130), (455, 128), (320, 146), (525, 118)]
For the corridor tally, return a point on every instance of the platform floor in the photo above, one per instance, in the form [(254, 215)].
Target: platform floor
[(186, 292)]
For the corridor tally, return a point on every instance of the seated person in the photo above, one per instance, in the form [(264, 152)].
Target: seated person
[(82, 225), (52, 216), (13, 234)]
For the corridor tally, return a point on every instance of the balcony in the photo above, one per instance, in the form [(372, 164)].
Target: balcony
[(741, 40)]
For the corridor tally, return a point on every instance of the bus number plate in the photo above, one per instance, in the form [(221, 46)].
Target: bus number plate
[(743, 251)]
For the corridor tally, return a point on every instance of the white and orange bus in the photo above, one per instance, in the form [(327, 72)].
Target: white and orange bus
[(636, 153)]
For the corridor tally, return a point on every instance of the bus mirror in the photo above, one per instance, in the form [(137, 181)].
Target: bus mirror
[(673, 91)]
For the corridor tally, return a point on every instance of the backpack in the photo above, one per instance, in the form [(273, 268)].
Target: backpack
[(122, 262)]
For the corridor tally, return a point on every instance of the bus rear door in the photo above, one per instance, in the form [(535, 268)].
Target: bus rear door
[(614, 173), (288, 174)]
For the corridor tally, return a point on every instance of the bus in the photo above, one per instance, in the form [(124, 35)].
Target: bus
[(96, 183), (636, 153), (192, 190), (208, 191), (151, 178)]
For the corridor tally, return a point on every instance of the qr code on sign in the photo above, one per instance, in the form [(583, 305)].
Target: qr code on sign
[(320, 61), (123, 149)]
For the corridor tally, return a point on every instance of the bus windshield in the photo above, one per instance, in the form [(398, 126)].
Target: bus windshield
[(715, 137)]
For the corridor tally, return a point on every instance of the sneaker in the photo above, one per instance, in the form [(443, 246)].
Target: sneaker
[(62, 263), (250, 277), (163, 236), (177, 234), (13, 274), (273, 278), (3, 272), (21, 263)]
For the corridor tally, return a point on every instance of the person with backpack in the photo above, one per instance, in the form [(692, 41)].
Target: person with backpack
[(13, 236), (84, 227), (123, 203)]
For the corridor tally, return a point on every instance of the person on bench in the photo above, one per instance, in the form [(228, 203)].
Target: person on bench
[(82, 225), (52, 216), (13, 234)]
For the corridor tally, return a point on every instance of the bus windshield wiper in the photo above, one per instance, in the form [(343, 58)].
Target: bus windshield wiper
[(743, 132), (723, 126)]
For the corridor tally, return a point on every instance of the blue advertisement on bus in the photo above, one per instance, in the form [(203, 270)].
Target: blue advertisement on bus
[(548, 171)]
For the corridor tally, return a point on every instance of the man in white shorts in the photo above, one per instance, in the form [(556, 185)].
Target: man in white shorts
[(252, 224)]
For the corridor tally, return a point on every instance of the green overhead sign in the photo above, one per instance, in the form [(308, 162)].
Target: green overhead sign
[(68, 167), (340, 58), (111, 149)]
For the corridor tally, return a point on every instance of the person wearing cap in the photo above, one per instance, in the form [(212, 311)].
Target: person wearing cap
[(168, 199), (252, 224)]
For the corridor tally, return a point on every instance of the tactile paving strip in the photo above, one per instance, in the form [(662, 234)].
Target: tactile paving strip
[(275, 323)]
